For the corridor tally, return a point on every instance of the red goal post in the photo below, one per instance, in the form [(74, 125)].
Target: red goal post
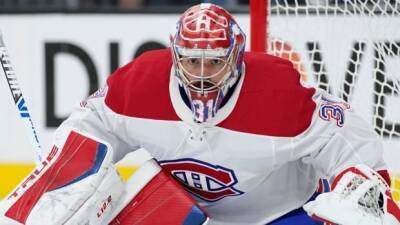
[(351, 48)]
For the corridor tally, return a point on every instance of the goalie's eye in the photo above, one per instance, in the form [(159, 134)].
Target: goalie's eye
[(216, 62), (192, 61)]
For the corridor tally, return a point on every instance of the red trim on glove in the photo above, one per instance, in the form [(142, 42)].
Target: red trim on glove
[(385, 175), (393, 209), (340, 175)]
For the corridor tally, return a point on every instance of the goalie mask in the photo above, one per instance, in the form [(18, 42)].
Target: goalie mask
[(207, 55)]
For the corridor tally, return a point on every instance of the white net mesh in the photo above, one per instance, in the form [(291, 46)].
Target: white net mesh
[(351, 48)]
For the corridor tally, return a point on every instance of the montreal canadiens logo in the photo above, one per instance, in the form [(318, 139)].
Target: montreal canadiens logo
[(205, 20), (208, 182)]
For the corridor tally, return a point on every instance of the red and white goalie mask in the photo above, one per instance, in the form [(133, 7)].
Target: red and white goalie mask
[(207, 54)]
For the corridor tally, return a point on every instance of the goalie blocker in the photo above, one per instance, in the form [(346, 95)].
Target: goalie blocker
[(78, 184)]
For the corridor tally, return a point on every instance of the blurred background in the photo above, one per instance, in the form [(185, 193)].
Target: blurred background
[(111, 5)]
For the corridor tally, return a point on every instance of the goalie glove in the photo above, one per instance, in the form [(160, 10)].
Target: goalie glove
[(360, 196)]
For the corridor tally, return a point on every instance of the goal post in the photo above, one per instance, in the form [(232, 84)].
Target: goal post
[(350, 48), (258, 25)]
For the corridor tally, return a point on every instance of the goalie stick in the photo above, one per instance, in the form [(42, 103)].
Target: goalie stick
[(19, 99)]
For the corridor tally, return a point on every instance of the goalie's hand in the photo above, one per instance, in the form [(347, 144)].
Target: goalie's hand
[(360, 196)]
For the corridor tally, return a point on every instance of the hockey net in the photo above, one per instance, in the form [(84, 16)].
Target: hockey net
[(350, 48)]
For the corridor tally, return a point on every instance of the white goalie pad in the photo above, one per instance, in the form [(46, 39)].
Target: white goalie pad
[(75, 185), (7, 221), (102, 203), (361, 197)]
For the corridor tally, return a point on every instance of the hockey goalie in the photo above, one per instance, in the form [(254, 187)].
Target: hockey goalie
[(236, 139)]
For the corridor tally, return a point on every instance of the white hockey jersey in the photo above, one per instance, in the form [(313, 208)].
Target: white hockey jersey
[(259, 158)]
